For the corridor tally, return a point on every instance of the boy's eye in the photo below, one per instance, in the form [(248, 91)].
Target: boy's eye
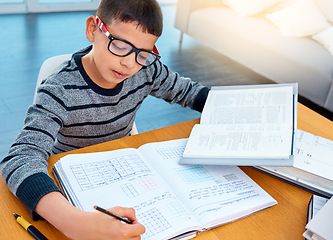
[(143, 55), (120, 47)]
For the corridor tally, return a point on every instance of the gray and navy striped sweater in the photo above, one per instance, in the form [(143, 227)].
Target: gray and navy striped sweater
[(71, 112)]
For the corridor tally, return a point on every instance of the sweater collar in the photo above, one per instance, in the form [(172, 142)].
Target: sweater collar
[(103, 91)]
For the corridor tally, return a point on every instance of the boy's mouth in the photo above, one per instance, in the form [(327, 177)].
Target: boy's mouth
[(119, 74)]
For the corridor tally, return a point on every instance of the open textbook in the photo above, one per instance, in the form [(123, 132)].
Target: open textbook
[(245, 125), (170, 200), (313, 164)]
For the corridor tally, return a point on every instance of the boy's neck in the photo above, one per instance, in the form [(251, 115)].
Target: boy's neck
[(87, 63)]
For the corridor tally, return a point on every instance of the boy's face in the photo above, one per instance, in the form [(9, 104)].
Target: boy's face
[(106, 69)]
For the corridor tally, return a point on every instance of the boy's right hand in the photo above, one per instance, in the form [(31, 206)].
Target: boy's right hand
[(102, 226), (77, 224)]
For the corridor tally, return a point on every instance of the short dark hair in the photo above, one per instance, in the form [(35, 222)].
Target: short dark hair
[(146, 12)]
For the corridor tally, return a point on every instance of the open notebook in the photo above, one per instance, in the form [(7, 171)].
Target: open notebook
[(170, 200)]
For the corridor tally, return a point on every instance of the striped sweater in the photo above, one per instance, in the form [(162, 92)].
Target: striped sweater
[(71, 112)]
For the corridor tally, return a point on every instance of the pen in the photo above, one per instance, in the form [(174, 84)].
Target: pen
[(30, 228), (113, 215)]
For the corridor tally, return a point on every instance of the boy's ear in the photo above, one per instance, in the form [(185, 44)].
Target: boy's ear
[(91, 27)]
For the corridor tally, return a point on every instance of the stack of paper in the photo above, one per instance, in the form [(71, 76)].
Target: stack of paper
[(320, 227)]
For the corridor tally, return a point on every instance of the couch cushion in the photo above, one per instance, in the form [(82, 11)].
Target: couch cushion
[(249, 7), (257, 44), (303, 18), (325, 38), (326, 6)]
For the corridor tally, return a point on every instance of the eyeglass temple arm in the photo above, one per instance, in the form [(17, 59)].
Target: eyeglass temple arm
[(106, 32), (155, 50)]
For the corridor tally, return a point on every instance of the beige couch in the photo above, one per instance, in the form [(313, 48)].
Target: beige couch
[(258, 44)]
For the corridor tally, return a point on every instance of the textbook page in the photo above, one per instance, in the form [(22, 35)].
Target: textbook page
[(215, 195), (246, 105), (124, 178), (242, 141), (244, 123)]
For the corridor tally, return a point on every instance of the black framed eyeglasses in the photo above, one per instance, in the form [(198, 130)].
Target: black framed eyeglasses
[(122, 48)]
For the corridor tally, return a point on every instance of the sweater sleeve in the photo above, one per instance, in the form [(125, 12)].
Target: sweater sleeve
[(200, 100), (174, 88), (25, 167)]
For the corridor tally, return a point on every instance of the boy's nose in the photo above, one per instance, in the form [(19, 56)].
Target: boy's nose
[(129, 61)]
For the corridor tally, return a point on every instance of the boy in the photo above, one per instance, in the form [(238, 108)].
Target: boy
[(93, 99)]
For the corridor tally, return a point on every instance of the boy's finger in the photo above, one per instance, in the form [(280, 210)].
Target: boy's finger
[(124, 212), (135, 228)]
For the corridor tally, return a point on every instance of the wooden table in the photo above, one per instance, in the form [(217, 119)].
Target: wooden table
[(286, 220)]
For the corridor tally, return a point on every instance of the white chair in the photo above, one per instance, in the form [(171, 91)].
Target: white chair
[(50, 65)]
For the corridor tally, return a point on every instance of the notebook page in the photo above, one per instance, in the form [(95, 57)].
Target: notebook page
[(123, 178), (214, 194)]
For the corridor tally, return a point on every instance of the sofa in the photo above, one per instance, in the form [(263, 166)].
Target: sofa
[(257, 43)]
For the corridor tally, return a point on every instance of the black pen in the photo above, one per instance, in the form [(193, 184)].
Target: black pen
[(113, 215), (30, 228)]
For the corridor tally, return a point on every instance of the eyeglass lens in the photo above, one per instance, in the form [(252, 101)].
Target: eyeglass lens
[(121, 49)]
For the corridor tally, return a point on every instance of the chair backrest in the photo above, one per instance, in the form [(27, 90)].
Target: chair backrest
[(49, 66), (53, 63)]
